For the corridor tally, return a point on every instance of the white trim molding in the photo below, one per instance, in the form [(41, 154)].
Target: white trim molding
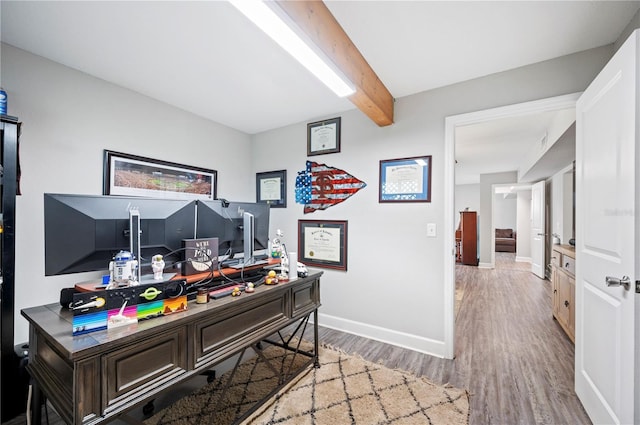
[(401, 339)]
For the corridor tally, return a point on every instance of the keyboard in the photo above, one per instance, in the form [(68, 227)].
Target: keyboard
[(226, 290), (231, 262)]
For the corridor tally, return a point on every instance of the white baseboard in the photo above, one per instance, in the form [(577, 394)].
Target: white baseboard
[(486, 266), (389, 336), (523, 259)]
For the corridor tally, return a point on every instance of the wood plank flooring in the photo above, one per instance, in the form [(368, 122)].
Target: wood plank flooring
[(511, 355)]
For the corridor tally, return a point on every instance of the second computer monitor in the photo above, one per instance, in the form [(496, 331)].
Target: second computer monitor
[(225, 221)]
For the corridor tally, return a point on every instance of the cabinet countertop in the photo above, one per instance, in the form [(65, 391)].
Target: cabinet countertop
[(567, 250)]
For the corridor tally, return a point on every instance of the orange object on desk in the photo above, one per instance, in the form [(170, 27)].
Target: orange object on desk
[(227, 271)]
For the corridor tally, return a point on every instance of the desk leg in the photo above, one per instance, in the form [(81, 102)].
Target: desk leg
[(316, 346), (36, 403)]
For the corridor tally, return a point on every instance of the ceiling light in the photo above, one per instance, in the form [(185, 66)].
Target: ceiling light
[(272, 22)]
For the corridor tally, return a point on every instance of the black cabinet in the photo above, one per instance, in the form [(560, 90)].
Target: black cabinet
[(11, 395)]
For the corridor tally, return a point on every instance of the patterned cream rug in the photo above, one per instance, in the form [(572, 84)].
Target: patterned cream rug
[(344, 390)]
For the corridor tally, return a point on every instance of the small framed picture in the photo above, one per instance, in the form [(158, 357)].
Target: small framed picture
[(323, 137), (271, 188), (405, 179), (323, 243)]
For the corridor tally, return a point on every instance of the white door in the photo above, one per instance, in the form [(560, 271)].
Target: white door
[(606, 196), (537, 229)]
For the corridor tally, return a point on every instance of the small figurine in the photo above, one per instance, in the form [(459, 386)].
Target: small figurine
[(157, 265), (123, 270), (271, 278), (250, 288), (284, 265), (236, 292), (276, 245)]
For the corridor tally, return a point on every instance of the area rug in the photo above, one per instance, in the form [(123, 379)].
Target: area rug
[(345, 390)]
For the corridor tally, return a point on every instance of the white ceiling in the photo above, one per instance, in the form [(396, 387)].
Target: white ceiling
[(204, 57)]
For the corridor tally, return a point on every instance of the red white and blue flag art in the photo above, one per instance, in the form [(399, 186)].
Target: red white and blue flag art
[(320, 186)]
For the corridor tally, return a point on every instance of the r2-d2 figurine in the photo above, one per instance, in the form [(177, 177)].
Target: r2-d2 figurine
[(123, 270)]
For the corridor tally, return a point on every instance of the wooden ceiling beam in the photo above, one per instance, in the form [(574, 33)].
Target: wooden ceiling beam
[(319, 24)]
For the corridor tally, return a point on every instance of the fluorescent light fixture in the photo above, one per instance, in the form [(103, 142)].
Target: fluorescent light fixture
[(269, 21)]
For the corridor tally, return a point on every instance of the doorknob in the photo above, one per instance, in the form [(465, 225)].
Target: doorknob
[(614, 281)]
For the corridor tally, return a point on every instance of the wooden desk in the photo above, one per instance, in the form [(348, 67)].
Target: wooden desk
[(96, 377)]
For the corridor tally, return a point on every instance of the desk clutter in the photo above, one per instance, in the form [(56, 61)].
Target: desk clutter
[(105, 309)]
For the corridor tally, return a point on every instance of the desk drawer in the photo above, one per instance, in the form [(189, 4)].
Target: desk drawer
[(569, 264), (556, 258), (306, 298), (129, 372), (246, 321)]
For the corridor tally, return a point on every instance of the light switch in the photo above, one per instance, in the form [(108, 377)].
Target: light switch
[(431, 230)]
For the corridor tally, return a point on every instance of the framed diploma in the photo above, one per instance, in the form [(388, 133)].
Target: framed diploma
[(323, 243), (405, 179), (271, 188), (323, 137)]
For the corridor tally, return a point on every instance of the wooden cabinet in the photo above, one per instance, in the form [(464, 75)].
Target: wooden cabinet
[(563, 287), (467, 239)]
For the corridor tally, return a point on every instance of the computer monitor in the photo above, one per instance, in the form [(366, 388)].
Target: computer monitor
[(84, 232), (226, 221)]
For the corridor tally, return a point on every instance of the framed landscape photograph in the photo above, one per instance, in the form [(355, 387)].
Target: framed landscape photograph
[(132, 175), (323, 243), (405, 179), (271, 188), (323, 137)]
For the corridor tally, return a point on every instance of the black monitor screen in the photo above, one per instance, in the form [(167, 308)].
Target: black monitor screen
[(84, 232), (224, 220)]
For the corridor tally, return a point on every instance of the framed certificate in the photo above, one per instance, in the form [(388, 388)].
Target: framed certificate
[(405, 179), (323, 243), (323, 137), (271, 188)]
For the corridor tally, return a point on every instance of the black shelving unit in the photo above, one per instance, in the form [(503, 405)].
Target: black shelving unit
[(12, 400)]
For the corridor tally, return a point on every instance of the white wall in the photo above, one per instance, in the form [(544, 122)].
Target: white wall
[(504, 211), (69, 118), (466, 196), (523, 240), (375, 297)]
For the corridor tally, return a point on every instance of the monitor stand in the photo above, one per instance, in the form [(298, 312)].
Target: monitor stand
[(248, 223)]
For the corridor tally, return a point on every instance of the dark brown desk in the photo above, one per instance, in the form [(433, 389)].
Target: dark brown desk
[(96, 377)]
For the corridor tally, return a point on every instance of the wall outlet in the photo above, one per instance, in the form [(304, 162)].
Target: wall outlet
[(431, 230)]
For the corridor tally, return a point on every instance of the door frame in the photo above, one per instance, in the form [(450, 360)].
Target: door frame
[(451, 122)]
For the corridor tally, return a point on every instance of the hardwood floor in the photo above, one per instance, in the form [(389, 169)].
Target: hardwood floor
[(512, 357)]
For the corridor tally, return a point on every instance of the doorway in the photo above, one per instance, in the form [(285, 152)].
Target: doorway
[(450, 219)]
